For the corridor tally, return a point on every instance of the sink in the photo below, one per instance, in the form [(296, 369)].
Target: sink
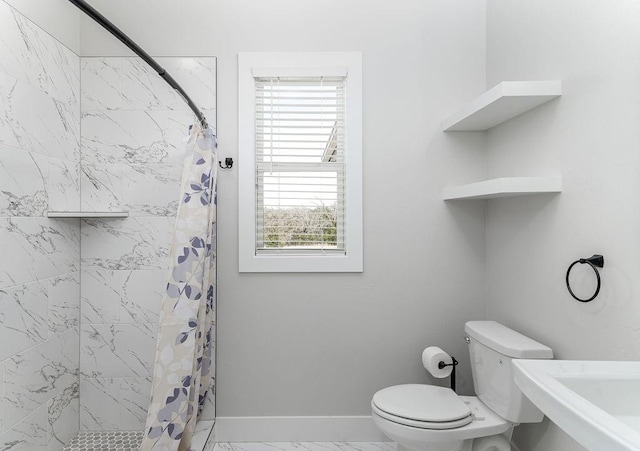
[(595, 402)]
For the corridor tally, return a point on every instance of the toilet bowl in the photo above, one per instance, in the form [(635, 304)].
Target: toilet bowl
[(431, 418), (448, 423)]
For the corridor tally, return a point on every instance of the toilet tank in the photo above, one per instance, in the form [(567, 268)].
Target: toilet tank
[(492, 347)]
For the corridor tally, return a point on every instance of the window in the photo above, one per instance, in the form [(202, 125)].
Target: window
[(300, 162), (299, 159)]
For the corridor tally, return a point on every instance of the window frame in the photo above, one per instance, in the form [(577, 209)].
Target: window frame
[(272, 64)]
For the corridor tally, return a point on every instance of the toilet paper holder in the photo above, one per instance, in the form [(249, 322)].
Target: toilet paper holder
[(454, 363)]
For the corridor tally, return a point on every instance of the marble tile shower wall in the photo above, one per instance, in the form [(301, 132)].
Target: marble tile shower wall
[(132, 148), (39, 257)]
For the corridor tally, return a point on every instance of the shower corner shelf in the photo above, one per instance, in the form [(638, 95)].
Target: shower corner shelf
[(88, 214), (501, 103), (504, 187)]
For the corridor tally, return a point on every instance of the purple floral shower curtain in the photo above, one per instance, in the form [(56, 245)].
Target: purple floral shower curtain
[(183, 366)]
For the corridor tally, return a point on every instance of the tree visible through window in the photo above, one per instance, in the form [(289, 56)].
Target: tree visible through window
[(300, 227), (300, 167)]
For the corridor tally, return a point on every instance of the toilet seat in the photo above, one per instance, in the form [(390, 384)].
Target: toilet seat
[(485, 422), (422, 406)]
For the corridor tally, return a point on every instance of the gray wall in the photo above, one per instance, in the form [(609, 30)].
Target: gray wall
[(591, 136), (322, 344)]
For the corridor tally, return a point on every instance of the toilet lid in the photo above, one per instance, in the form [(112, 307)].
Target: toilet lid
[(428, 403)]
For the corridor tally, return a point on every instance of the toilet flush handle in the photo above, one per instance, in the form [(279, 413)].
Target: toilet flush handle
[(467, 340)]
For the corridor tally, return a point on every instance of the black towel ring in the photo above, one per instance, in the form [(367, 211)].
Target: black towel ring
[(595, 261)]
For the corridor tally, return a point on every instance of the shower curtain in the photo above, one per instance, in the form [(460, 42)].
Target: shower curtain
[(183, 366)]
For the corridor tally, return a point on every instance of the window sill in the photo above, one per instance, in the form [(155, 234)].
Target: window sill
[(300, 263)]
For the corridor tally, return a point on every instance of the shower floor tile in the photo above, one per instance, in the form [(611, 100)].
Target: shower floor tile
[(129, 440), (105, 441)]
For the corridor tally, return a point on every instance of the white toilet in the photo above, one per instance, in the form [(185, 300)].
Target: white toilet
[(432, 418)]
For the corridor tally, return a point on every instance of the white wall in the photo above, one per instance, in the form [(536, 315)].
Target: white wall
[(59, 18), (322, 344), (591, 136)]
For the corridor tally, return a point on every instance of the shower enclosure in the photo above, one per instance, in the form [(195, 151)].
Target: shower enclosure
[(91, 156)]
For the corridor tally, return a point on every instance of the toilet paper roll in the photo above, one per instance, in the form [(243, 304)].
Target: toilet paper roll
[(492, 443), (431, 357)]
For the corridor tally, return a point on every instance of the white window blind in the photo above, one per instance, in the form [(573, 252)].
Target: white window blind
[(300, 165)]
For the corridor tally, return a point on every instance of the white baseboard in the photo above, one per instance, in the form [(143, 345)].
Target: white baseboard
[(297, 429)]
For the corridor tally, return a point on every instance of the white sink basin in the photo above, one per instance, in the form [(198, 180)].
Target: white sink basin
[(597, 403)]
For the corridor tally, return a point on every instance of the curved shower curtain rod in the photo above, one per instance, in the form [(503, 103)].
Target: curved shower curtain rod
[(115, 31)]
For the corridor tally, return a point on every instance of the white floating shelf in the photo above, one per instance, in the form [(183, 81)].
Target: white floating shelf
[(504, 187), (87, 214), (501, 103)]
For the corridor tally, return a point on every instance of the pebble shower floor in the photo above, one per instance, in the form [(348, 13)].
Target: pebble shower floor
[(105, 441)]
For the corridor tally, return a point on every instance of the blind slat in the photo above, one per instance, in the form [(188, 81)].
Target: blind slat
[(300, 170), (299, 167), (301, 186), (292, 133), (295, 120)]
